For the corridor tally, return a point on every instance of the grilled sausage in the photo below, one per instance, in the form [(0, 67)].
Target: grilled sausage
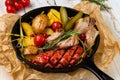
[(59, 58)]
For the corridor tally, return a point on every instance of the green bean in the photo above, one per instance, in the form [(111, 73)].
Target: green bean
[(64, 16), (71, 23)]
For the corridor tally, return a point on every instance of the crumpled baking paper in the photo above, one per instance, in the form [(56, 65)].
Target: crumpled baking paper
[(107, 49)]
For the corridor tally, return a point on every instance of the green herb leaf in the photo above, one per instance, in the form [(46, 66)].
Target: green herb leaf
[(21, 36), (9, 34), (66, 35)]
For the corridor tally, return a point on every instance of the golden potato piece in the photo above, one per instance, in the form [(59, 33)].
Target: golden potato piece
[(28, 41), (54, 16), (39, 23), (49, 31), (27, 28)]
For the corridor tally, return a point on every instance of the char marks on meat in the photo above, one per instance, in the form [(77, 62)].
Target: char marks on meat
[(59, 58), (43, 58), (76, 57), (56, 57)]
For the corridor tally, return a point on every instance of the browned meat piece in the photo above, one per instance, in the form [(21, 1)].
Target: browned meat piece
[(39, 60), (59, 66), (43, 58), (91, 22), (71, 41), (86, 25), (67, 56), (50, 53), (58, 33), (64, 62), (72, 50), (79, 50), (59, 58), (82, 25), (72, 62), (56, 57), (76, 56), (30, 50), (91, 35), (48, 65)]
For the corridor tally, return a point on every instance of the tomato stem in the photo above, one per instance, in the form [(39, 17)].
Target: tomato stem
[(11, 2), (17, 0)]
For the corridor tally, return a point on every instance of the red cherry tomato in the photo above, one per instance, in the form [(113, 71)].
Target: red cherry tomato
[(25, 2), (56, 25), (39, 40), (14, 0), (46, 57), (45, 35), (10, 9), (82, 36), (7, 2), (18, 6)]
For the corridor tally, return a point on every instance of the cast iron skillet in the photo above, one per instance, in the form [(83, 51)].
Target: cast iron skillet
[(87, 63)]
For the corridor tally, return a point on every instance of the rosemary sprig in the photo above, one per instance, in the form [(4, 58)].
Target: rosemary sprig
[(66, 35), (101, 3), (9, 34), (87, 51), (22, 37), (17, 35)]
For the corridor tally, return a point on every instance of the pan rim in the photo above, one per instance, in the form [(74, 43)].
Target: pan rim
[(37, 67)]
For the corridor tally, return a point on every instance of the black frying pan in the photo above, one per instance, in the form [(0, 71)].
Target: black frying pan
[(87, 63)]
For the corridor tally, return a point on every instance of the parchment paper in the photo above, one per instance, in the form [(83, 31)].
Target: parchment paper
[(20, 71)]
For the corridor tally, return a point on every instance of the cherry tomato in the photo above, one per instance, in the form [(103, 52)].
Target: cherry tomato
[(18, 6), (39, 40), (46, 57), (45, 35), (10, 9), (82, 36), (25, 2), (13, 0), (56, 25), (7, 2)]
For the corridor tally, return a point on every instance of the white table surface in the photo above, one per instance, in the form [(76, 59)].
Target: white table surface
[(114, 69)]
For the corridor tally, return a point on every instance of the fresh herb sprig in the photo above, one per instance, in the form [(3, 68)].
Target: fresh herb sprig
[(101, 3), (22, 37), (66, 35)]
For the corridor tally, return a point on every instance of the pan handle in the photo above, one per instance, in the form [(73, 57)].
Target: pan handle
[(89, 64)]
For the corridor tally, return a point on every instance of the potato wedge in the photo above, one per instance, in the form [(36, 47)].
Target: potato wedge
[(39, 23), (54, 16), (48, 31), (27, 28), (28, 41)]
